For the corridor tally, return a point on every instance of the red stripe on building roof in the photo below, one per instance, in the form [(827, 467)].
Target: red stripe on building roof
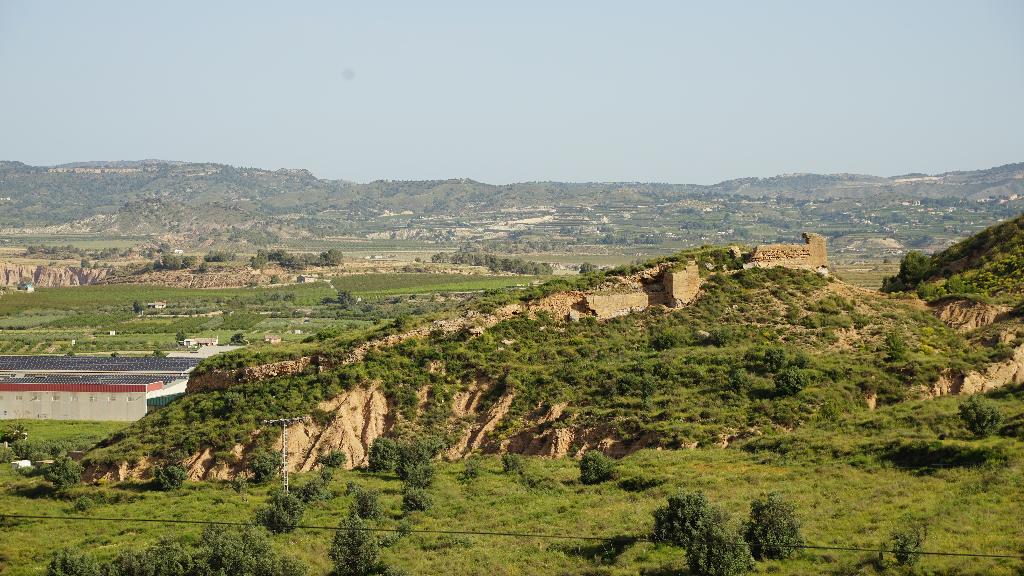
[(63, 387)]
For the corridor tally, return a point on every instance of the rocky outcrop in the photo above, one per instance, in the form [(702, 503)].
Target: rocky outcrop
[(997, 375), (51, 276), (218, 379), (359, 416), (967, 315)]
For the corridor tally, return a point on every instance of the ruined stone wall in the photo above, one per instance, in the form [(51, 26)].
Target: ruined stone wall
[(681, 286), (612, 305), (817, 252), (811, 255)]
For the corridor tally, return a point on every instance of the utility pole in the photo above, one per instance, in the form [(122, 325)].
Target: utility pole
[(285, 423)]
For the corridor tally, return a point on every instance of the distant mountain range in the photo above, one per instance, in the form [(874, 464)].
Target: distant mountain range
[(157, 196)]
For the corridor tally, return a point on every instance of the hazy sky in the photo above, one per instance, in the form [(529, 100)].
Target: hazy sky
[(513, 91)]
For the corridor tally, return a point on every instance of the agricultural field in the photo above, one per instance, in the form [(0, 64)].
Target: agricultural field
[(48, 320)]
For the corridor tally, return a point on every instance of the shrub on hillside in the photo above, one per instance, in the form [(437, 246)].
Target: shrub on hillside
[(471, 469), (772, 531), (717, 549), (790, 381), (334, 459), (68, 562), (263, 465), (981, 416), (240, 552), (766, 360), (896, 349), (365, 502), (596, 468), (416, 499), (419, 475), (315, 489), (169, 477), (282, 513), (63, 473), (355, 550), (415, 456), (512, 463), (681, 519), (383, 455), (907, 543)]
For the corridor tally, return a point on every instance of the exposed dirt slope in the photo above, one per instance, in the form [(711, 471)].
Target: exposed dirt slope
[(51, 276)]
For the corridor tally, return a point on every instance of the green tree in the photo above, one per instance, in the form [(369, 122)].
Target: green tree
[(682, 518), (383, 455), (169, 477), (137, 307), (896, 349), (332, 257), (772, 531), (282, 513), (68, 562), (718, 550), (165, 558), (366, 503), (981, 416), (263, 465), (63, 473), (260, 260), (241, 552), (915, 267), (416, 499), (316, 489), (416, 457), (595, 468), (790, 381), (355, 550), (239, 339)]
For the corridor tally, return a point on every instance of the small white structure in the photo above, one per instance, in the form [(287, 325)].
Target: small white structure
[(112, 332), (179, 251), (307, 278), (272, 339), (197, 342), (21, 464), (156, 305)]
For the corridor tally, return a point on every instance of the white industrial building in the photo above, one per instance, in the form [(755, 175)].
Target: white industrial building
[(88, 388)]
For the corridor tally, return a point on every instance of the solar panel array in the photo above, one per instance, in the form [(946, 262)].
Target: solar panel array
[(107, 379), (96, 364)]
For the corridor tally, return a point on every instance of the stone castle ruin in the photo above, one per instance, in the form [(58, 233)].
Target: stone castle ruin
[(666, 285), (811, 255)]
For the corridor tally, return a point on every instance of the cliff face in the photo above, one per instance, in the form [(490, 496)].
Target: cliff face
[(51, 276)]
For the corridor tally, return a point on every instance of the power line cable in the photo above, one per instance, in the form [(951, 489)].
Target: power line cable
[(4, 516)]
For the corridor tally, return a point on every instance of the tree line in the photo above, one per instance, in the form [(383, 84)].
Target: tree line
[(493, 262)]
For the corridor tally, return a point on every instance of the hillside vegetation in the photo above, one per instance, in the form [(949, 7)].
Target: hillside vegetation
[(990, 263), (780, 416), (760, 352)]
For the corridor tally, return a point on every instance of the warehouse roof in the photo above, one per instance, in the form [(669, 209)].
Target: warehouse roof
[(80, 383), (96, 364)]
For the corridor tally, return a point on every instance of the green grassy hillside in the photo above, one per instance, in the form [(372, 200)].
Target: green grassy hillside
[(760, 351), (990, 263)]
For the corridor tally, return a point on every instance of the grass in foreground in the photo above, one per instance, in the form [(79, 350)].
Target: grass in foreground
[(844, 496)]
